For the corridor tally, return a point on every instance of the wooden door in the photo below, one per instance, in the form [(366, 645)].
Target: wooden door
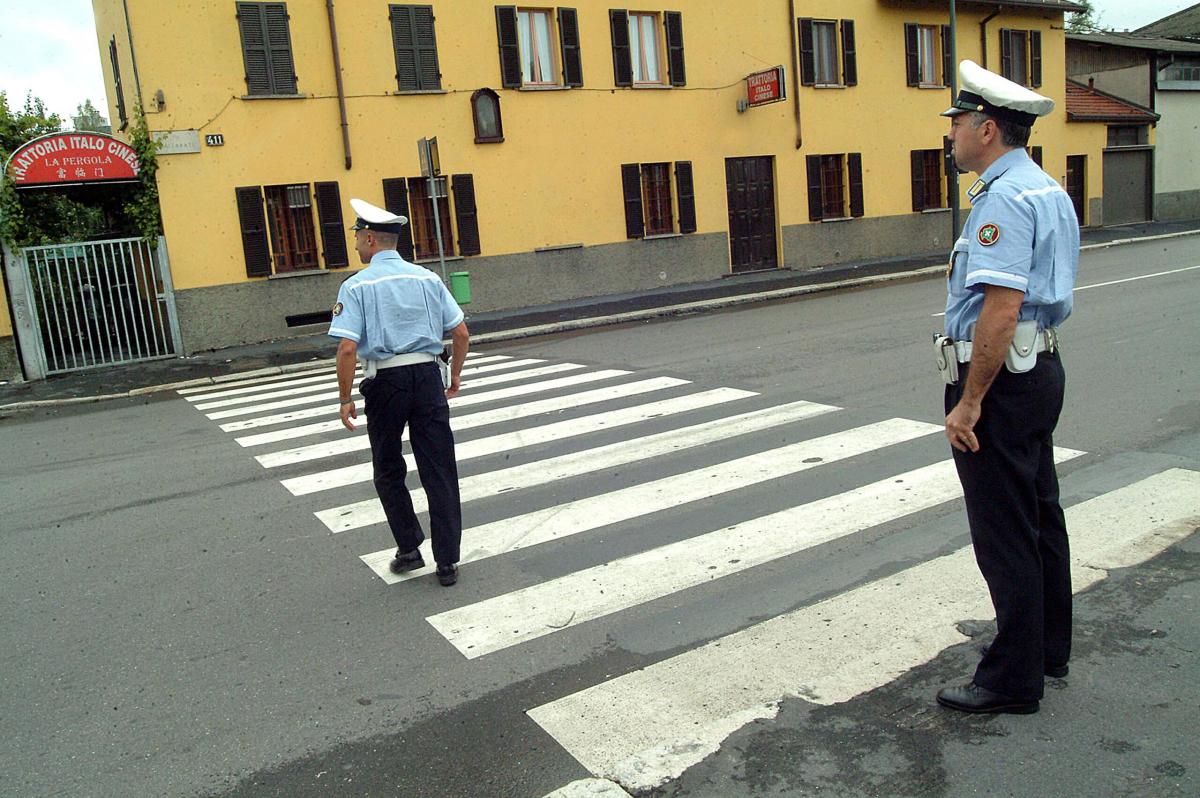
[(1077, 185), (750, 186)]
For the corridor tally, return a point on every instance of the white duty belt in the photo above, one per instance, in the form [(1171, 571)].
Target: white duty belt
[(1046, 341), (370, 367)]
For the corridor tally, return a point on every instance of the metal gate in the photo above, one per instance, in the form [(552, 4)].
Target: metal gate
[(98, 303)]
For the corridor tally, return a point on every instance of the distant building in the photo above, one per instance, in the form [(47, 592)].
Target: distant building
[(1183, 24)]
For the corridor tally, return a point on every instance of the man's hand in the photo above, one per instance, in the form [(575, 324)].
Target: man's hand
[(452, 391), (348, 411), (960, 426)]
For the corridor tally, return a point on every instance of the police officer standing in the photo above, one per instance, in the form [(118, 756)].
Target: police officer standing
[(392, 315), (1010, 282)]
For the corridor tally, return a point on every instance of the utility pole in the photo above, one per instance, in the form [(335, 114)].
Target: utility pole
[(953, 168)]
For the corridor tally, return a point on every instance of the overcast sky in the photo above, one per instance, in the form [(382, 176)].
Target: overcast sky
[(49, 47)]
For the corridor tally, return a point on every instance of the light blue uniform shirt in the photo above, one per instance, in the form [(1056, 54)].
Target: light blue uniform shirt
[(394, 307), (1022, 233)]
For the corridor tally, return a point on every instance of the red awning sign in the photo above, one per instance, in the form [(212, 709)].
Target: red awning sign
[(72, 158), (764, 87)]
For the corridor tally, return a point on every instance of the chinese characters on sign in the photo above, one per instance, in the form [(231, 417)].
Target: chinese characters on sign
[(72, 158), (765, 87)]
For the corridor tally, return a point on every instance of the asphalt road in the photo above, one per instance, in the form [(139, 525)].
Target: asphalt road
[(179, 622)]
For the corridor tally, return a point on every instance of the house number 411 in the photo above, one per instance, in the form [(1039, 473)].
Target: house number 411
[(214, 139)]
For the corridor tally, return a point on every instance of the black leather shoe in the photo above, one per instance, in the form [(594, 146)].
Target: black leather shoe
[(406, 561), (447, 575), (1053, 671), (973, 698)]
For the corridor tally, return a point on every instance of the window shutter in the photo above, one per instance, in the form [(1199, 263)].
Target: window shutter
[(510, 53), (854, 167), (1035, 153), (912, 65), (917, 159), (254, 48), (568, 34), (687, 196), (622, 60), (631, 184), (279, 48), (808, 62), (673, 20), (333, 230), (465, 214), (405, 44), (395, 200), (1035, 58), (849, 56), (254, 231), (1006, 53), (815, 208)]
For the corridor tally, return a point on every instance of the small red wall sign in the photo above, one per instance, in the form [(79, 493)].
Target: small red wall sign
[(72, 158), (765, 87)]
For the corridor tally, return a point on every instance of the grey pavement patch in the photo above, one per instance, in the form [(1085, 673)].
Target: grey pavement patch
[(589, 788)]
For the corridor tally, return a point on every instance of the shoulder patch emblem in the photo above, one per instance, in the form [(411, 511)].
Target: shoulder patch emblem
[(337, 309), (988, 234)]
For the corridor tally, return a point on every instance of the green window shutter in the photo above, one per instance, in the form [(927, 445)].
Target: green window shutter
[(808, 61), (465, 214), (395, 200), (631, 185), (404, 42), (917, 159), (618, 21), (686, 191), (253, 221), (1035, 58), (333, 230), (912, 66), (947, 60), (118, 92), (279, 46), (815, 204), (854, 167), (849, 54), (568, 34), (255, 53), (673, 21), (510, 50), (1006, 53)]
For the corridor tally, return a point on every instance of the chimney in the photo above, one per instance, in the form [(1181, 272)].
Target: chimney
[(1091, 83)]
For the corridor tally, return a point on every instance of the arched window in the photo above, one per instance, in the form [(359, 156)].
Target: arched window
[(485, 111)]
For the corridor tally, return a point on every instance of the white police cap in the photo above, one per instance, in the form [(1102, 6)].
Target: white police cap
[(371, 217), (989, 93)]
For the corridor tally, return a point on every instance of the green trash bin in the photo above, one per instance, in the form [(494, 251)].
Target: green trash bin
[(460, 287)]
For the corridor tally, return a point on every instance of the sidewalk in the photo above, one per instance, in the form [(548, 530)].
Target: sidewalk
[(295, 354)]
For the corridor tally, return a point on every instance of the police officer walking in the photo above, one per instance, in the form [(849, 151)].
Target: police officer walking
[(392, 315), (1010, 282)]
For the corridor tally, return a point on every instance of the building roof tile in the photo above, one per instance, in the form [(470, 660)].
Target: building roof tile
[(1088, 104)]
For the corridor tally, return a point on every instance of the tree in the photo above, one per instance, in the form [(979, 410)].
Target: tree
[(88, 118), (1086, 21)]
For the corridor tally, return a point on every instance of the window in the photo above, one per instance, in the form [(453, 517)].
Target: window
[(420, 217), (1127, 135), (1182, 70), (1035, 155), (418, 240), (283, 238), (638, 48), (649, 210), (485, 111), (927, 179), (266, 48), (1021, 56), (415, 46), (834, 182), (821, 63), (927, 54), (118, 92), (527, 47)]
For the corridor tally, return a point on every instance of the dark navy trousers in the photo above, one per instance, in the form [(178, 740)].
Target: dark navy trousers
[(1017, 525), (413, 396)]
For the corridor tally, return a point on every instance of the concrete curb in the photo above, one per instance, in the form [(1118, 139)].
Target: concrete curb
[(1119, 241)]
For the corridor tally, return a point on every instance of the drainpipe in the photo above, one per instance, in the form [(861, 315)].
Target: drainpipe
[(137, 81), (983, 33), (795, 71), (337, 74)]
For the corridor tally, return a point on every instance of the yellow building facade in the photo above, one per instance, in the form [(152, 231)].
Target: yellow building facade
[(624, 157)]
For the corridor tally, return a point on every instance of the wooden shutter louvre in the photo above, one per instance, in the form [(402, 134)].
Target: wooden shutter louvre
[(333, 230), (1006, 53), (685, 189), (427, 58), (1035, 58), (854, 167), (912, 64), (404, 43), (808, 61), (254, 48), (618, 21), (253, 221), (917, 159), (568, 34), (631, 185), (815, 205), (465, 214), (673, 21), (849, 54), (510, 52), (947, 61), (279, 48), (395, 200)]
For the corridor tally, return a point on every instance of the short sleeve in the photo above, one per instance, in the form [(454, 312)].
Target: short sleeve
[(1002, 244), (348, 320), (452, 314)]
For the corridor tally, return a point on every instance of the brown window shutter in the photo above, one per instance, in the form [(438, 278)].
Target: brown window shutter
[(947, 60), (912, 67), (673, 21), (254, 231), (465, 214), (618, 21), (808, 61), (849, 55), (568, 34), (118, 92), (686, 191), (1035, 58), (815, 210), (333, 230), (917, 158), (395, 200), (1006, 53), (510, 53), (854, 167), (631, 184), (279, 46), (1035, 153)]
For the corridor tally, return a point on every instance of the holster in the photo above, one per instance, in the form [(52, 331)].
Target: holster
[(944, 357)]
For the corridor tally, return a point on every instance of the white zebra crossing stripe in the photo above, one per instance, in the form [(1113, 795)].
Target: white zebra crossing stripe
[(555, 523), (541, 472), (483, 418), (648, 726), (323, 385), (510, 441)]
